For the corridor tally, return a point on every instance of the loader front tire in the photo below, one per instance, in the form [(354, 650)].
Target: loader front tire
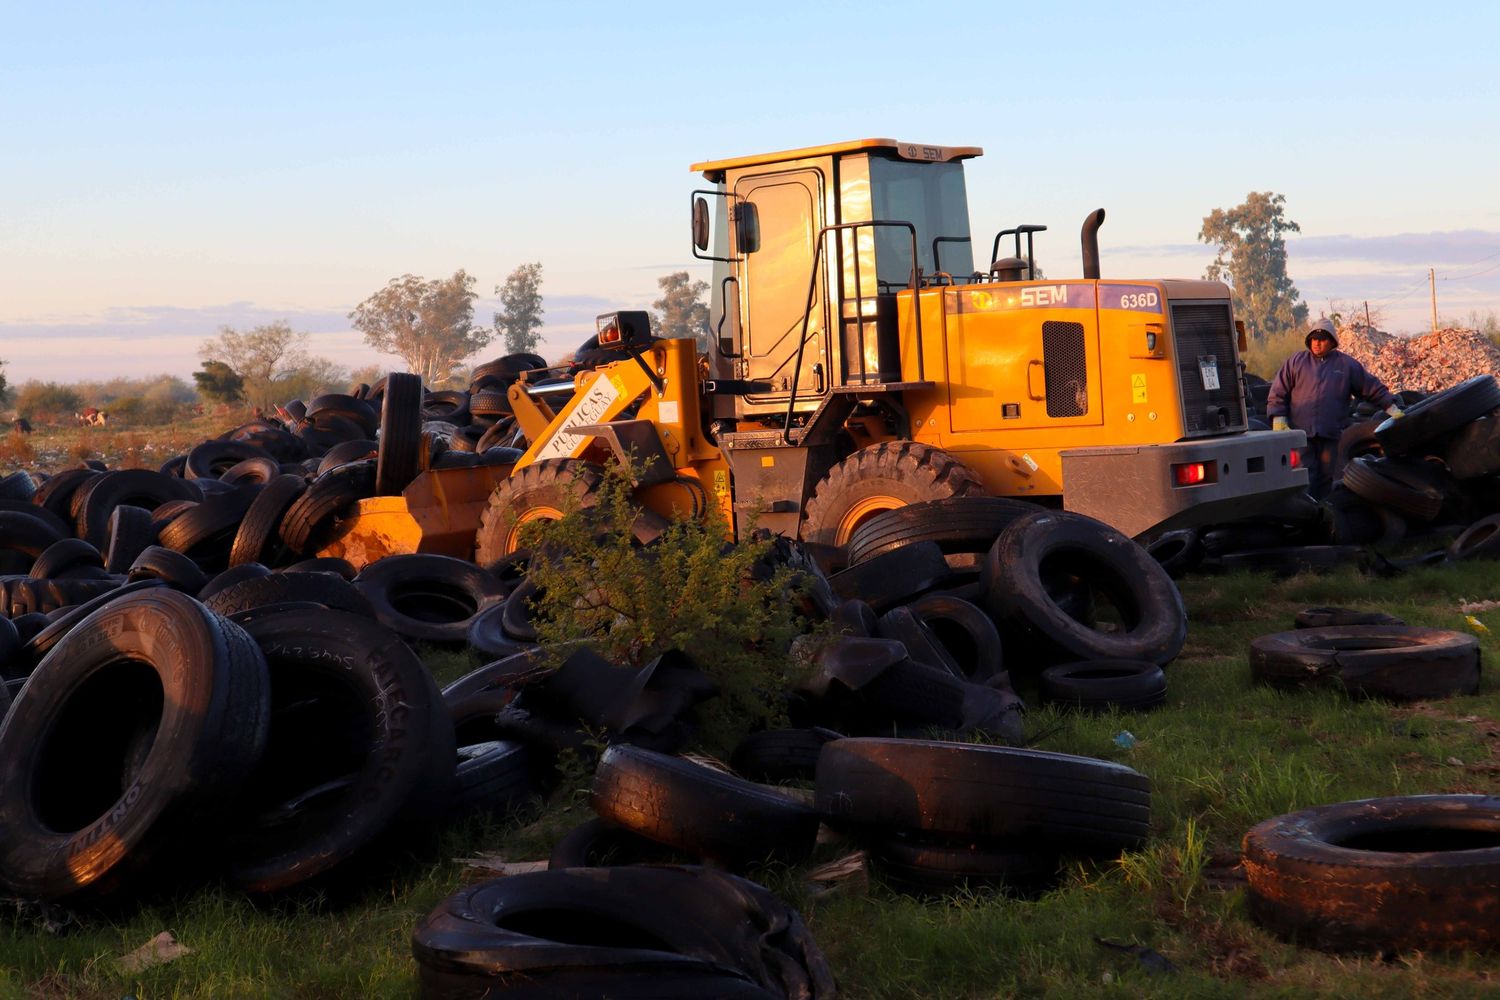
[(882, 477), (545, 490)]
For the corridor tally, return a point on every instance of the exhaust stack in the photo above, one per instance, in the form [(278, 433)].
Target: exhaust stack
[(1090, 238)]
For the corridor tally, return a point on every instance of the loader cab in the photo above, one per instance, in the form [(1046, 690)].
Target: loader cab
[(809, 248)]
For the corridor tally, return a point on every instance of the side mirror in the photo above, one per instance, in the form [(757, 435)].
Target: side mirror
[(746, 227), (700, 223)]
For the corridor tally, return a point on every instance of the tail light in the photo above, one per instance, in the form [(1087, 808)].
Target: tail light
[(1190, 473), (1296, 459)]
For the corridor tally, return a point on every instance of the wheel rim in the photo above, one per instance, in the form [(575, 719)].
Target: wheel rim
[(862, 511), (541, 512)]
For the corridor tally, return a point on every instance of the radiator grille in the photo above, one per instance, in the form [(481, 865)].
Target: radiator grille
[(1067, 369), (1205, 344)]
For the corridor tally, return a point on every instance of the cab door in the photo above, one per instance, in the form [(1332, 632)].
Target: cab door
[(774, 294)]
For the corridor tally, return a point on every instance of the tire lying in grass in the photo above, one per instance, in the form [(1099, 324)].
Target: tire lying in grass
[(923, 866), (1036, 558), (1408, 872), (1322, 617), (598, 843), (120, 751), (965, 631), (1397, 662), (1098, 685), (698, 810), (431, 598), (360, 743), (1480, 540), (781, 754), (894, 577), (492, 776), (1292, 559), (1178, 551), (632, 932), (964, 790)]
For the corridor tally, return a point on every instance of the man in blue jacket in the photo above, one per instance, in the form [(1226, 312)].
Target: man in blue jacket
[(1311, 392)]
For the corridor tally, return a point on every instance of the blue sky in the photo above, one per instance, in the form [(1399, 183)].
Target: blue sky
[(167, 169)]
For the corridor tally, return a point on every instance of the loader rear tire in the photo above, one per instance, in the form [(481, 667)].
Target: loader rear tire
[(544, 491), (882, 477)]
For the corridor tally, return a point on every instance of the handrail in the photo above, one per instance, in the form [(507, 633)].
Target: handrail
[(812, 289)]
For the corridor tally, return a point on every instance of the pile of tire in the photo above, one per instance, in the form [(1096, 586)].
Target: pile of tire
[(1434, 472), (952, 604), (270, 732)]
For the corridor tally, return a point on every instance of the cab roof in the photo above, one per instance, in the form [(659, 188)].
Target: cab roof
[(921, 152)]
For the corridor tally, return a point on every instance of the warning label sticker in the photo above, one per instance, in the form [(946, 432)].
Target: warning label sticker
[(1138, 388)]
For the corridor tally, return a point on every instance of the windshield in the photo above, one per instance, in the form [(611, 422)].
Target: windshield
[(931, 196)]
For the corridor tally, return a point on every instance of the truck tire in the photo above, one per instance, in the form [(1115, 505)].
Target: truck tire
[(1433, 416), (428, 597), (879, 478), (1417, 871), (79, 808), (958, 524), (1098, 685), (1040, 551), (541, 491), (1399, 662), (400, 455), (964, 790)]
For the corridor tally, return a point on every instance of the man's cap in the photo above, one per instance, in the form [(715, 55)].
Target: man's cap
[(1322, 328)]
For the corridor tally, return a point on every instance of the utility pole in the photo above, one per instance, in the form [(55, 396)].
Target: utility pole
[(1432, 280)]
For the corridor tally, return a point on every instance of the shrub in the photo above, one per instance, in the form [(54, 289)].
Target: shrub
[(693, 589)]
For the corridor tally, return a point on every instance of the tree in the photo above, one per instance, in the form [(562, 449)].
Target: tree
[(4, 387), (428, 324), (521, 311), (219, 383), (48, 401), (681, 311), (368, 375), (260, 356), (1252, 258)]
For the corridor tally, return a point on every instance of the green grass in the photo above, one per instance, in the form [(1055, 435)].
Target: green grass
[(1223, 754)]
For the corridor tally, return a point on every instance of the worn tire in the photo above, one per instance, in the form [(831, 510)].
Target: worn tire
[(428, 597), (1035, 552), (368, 714), (1322, 617), (1099, 685), (880, 478), (966, 631), (966, 523), (120, 752), (1407, 872), (544, 490), (313, 518), (257, 539), (1433, 416), (893, 577), (1397, 662), (698, 810), (963, 790)]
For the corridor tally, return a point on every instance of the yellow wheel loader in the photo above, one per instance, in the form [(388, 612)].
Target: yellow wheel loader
[(861, 361)]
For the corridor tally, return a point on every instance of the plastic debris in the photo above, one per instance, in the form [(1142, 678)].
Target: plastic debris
[(1124, 739)]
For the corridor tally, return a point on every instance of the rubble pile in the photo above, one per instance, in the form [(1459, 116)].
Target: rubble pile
[(1427, 363)]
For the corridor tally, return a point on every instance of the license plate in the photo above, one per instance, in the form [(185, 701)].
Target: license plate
[(1208, 367)]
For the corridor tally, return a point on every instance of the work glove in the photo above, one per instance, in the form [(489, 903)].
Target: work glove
[(1395, 411), (1280, 424)]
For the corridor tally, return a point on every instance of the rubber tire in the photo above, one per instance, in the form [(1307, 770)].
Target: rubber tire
[(698, 810), (311, 519), (964, 790), (131, 532), (925, 867), (893, 578), (402, 766), (449, 593), (721, 936), (553, 485), (1480, 540), (137, 487), (598, 843), (1396, 662), (1437, 414), (68, 557), (1392, 874), (1292, 559), (211, 459), (1019, 597), (906, 471), (967, 523), (172, 568), (1099, 685), (1378, 481), (258, 540), (399, 458), (966, 631), (277, 588), (203, 684), (1322, 617), (776, 755), (494, 776)]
